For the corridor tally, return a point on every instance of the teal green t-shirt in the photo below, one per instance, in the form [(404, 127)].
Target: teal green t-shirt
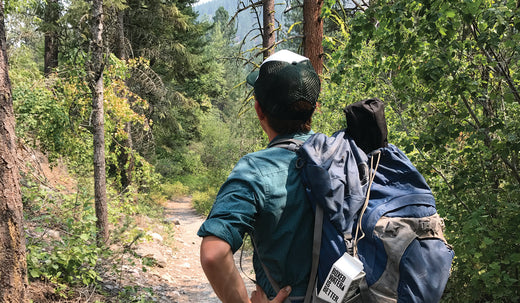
[(265, 197)]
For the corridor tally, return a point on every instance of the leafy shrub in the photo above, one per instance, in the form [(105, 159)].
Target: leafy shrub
[(61, 242), (43, 119), (202, 201), (71, 255), (71, 260), (174, 189)]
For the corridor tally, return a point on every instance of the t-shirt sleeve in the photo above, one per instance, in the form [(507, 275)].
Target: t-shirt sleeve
[(233, 212)]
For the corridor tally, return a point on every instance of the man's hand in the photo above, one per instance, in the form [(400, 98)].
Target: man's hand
[(258, 295)]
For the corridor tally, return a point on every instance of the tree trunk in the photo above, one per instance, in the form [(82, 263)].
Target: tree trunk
[(95, 73), (52, 13), (119, 48), (127, 160), (268, 34), (13, 269), (313, 33)]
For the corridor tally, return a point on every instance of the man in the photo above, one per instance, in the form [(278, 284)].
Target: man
[(264, 196)]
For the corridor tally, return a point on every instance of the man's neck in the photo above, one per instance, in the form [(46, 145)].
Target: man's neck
[(271, 134)]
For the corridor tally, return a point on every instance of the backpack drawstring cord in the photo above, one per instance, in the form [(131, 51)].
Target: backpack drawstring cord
[(370, 180)]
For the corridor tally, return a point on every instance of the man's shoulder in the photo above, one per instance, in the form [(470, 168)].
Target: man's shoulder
[(269, 159), (267, 156)]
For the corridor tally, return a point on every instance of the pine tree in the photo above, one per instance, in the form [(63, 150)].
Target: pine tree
[(13, 272)]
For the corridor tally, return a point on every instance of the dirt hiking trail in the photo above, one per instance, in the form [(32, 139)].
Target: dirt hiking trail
[(188, 276), (179, 277)]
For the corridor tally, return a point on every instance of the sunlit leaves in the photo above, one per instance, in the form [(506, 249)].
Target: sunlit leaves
[(120, 103)]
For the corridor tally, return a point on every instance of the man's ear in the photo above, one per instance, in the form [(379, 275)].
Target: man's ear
[(259, 111)]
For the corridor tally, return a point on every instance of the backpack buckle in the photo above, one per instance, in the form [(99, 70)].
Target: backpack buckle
[(425, 225), (299, 163)]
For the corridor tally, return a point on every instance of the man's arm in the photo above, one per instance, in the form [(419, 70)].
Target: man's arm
[(218, 264)]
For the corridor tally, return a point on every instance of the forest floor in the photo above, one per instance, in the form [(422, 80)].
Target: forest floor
[(175, 274)]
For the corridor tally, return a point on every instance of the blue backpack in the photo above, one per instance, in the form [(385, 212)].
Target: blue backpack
[(371, 202)]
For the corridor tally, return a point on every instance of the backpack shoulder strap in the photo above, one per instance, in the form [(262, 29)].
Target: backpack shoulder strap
[(316, 246), (289, 144)]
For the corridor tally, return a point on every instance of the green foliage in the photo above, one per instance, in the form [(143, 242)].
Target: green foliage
[(22, 65), (446, 71), (218, 151), (23, 38), (61, 242), (53, 114), (221, 146), (41, 116), (174, 129), (164, 32), (70, 254), (222, 136), (133, 294), (485, 249), (203, 201), (174, 189), (133, 202)]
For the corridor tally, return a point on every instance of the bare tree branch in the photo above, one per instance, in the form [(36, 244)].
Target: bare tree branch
[(244, 8), (492, 56), (359, 6)]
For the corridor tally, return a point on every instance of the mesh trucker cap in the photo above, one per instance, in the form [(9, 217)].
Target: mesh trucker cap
[(284, 78), (366, 124)]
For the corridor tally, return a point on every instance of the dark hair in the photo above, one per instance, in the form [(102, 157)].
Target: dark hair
[(284, 127)]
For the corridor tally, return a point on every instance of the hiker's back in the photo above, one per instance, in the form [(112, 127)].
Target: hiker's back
[(283, 222)]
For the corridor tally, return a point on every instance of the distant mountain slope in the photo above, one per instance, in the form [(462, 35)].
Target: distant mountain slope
[(246, 21), (208, 8)]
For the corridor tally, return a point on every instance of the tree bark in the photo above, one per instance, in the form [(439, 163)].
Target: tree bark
[(127, 160), (313, 33), (268, 34), (13, 269), (95, 73), (119, 47), (52, 13)]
